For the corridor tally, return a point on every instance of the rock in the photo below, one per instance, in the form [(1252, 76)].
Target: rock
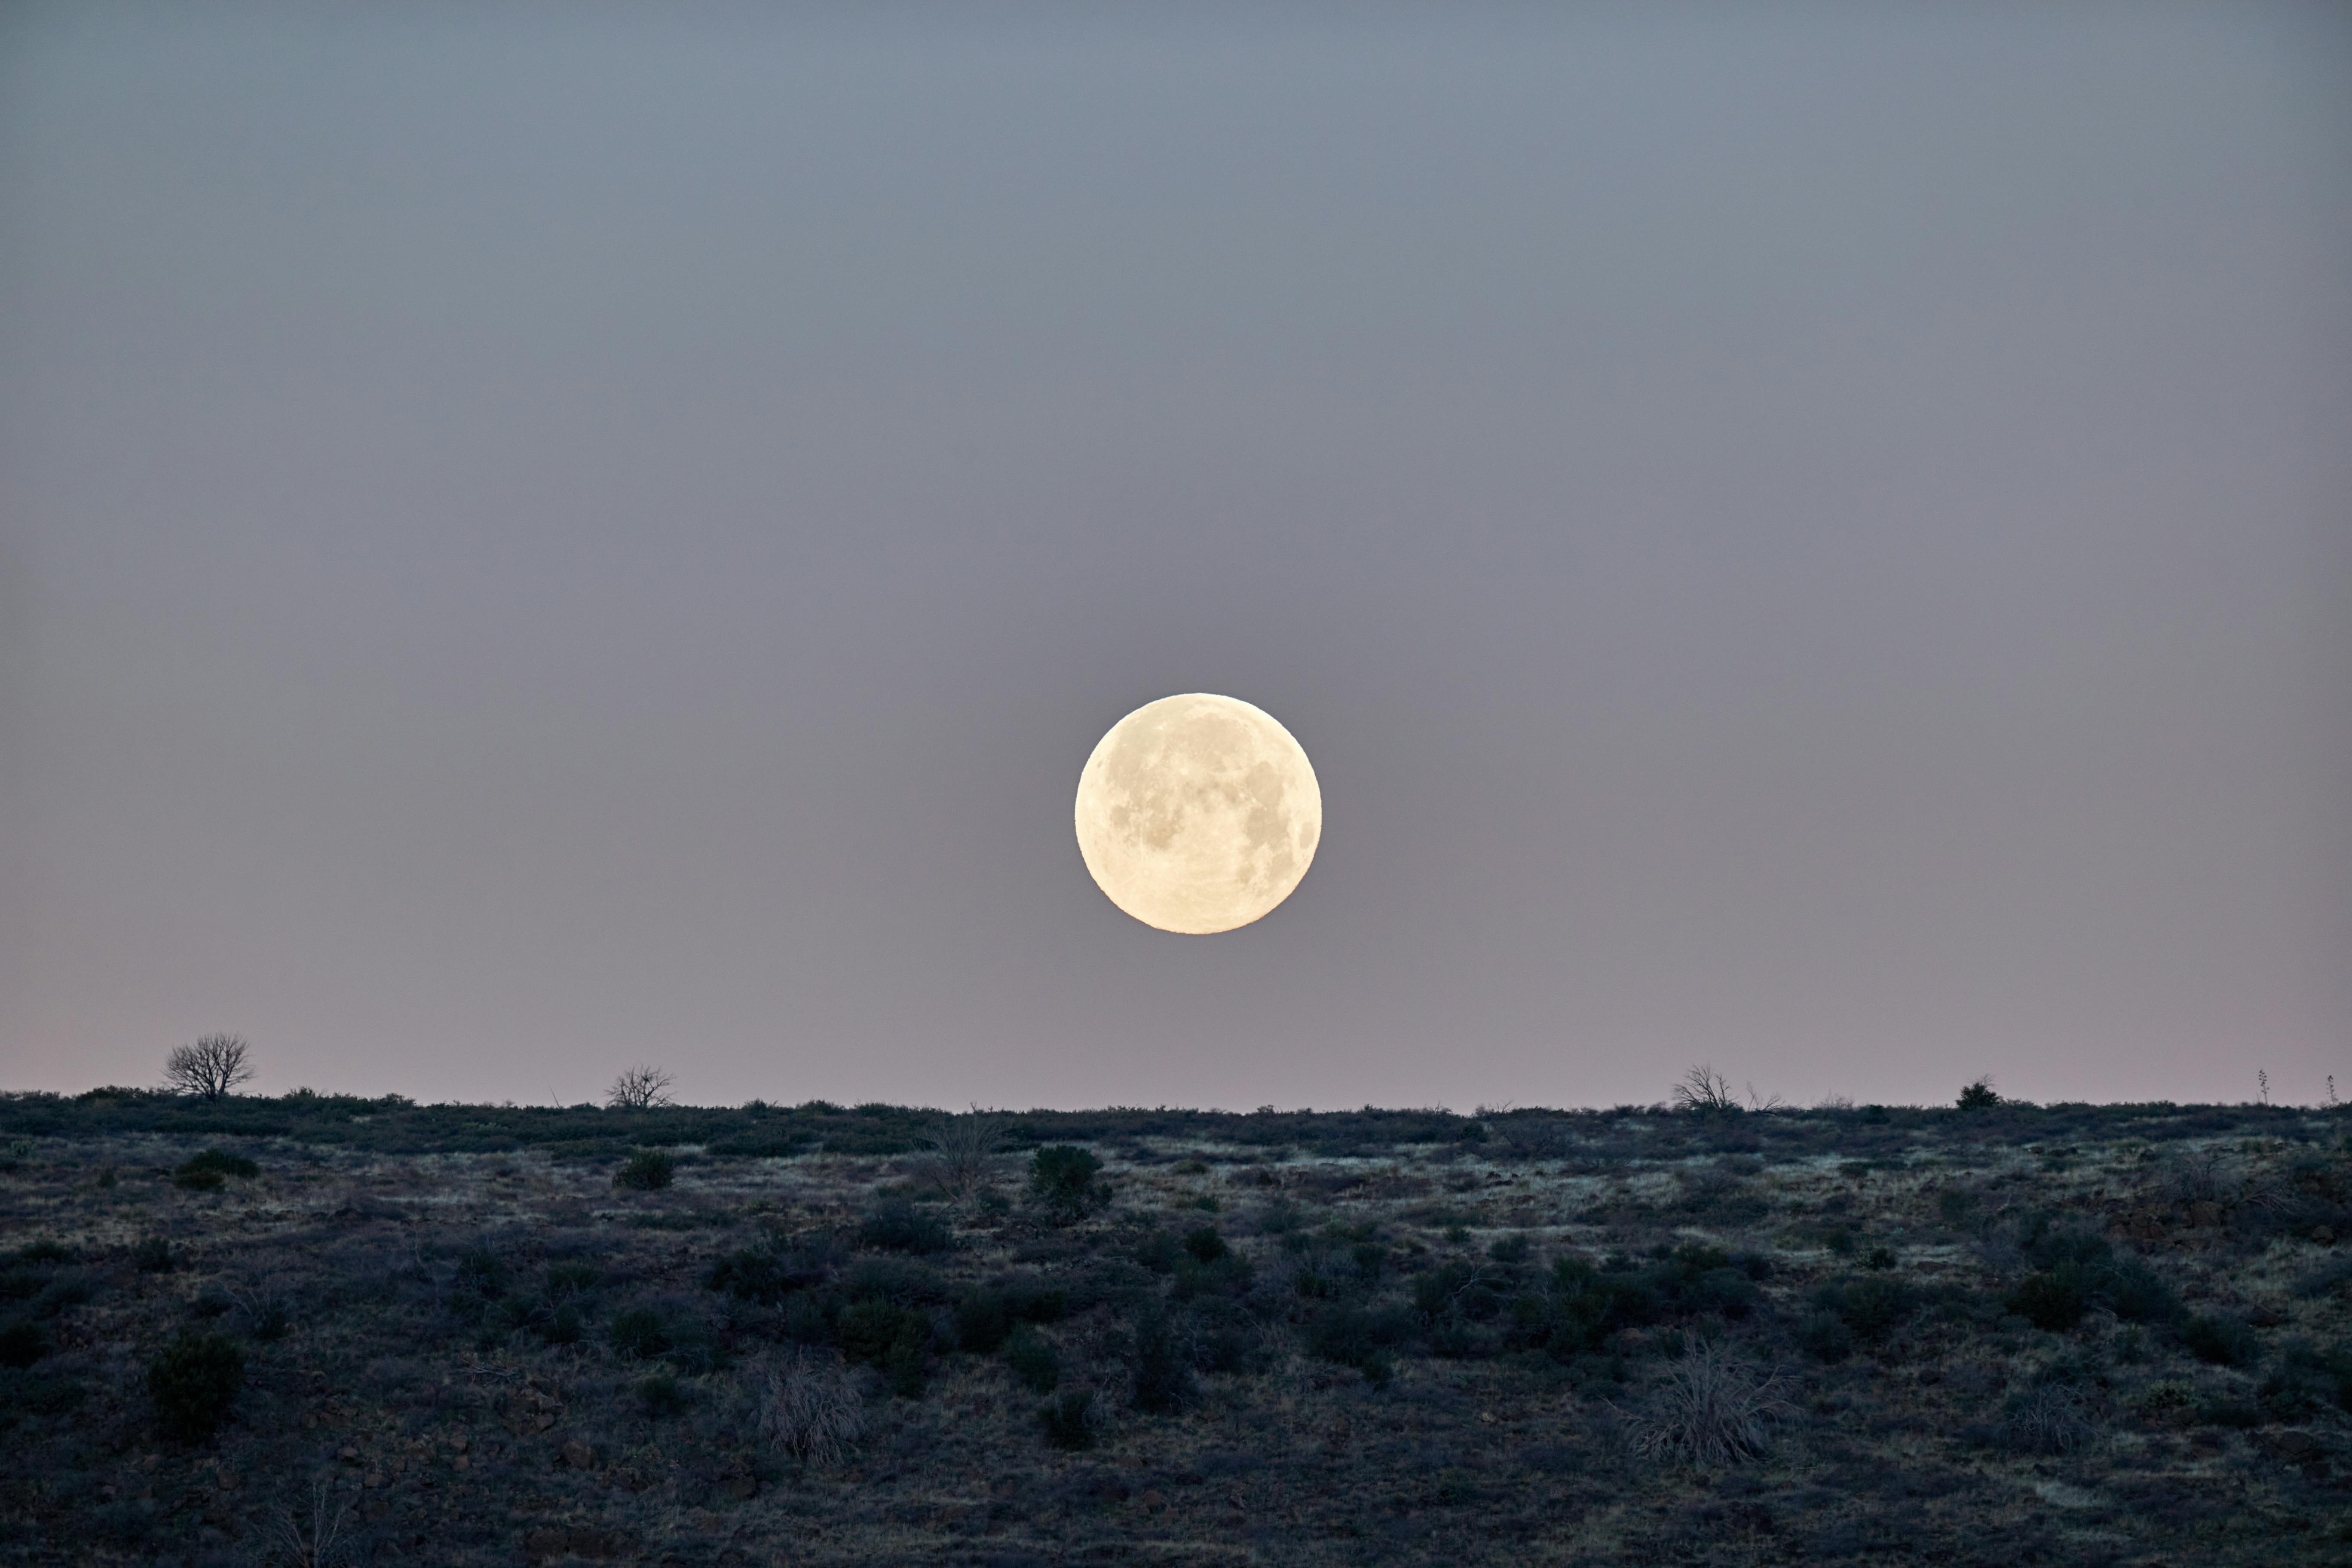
[(741, 1487), (2323, 1234), (579, 1455), (348, 1455), (2294, 1445), (2205, 1214)]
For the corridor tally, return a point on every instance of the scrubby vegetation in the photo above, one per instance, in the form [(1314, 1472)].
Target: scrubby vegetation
[(1725, 1332)]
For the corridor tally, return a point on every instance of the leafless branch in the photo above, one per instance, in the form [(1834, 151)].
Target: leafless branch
[(1705, 1092), (210, 1069), (640, 1089)]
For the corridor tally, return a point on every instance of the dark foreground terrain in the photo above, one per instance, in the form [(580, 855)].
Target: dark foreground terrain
[(372, 1332)]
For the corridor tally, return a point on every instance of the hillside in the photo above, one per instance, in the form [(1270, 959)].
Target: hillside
[(456, 1334)]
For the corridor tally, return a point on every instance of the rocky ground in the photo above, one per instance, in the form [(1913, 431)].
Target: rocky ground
[(2068, 1334)]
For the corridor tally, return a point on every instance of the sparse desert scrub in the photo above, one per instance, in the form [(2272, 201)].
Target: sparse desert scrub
[(1392, 1343)]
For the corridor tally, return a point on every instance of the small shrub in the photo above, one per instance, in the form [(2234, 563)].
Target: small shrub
[(1069, 1420), (755, 1274), (2046, 1420), (2053, 1300), (1163, 1379), (559, 1324), (481, 1272), (1062, 1178), (22, 1343), (154, 1256), (1033, 1361), (660, 1396), (895, 1225), (2140, 1295), (640, 1334), (2225, 1342), (568, 1281), (192, 1383), (1709, 1410), (44, 1251), (1825, 1337), (893, 1338), (808, 1405), (645, 1171), (983, 1320), (1978, 1096), (198, 1180), (219, 1160)]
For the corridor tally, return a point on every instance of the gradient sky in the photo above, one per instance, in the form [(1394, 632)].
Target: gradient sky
[(536, 538)]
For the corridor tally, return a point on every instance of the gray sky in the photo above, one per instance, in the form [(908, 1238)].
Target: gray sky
[(538, 538)]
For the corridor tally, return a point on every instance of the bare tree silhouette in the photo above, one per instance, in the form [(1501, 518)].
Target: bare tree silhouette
[(963, 1151), (639, 1088), (1706, 1091), (208, 1069)]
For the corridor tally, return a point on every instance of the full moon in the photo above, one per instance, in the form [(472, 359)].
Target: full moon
[(1198, 814)]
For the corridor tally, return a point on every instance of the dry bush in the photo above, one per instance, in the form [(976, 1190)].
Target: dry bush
[(320, 1540), (208, 1069), (963, 1151), (809, 1404), (2049, 1420), (1705, 1092), (640, 1089), (1712, 1409), (2201, 1176)]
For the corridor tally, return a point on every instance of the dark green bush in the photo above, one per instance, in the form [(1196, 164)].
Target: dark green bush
[(1162, 1378), (895, 1225), (645, 1171), (888, 1336), (219, 1160), (1159, 1251), (756, 1274), (1062, 1178), (1978, 1096), (194, 1381), (44, 1251), (22, 1343), (983, 1320), (640, 1334), (1033, 1360), (566, 1281), (1824, 1335), (2139, 1295), (559, 1324), (198, 1180), (1360, 1338), (2226, 1342), (660, 1396), (154, 1256), (1204, 1244), (1068, 1420), (481, 1272), (2053, 1298)]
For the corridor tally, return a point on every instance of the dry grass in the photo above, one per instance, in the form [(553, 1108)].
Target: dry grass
[(1710, 1408), (810, 1407)]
